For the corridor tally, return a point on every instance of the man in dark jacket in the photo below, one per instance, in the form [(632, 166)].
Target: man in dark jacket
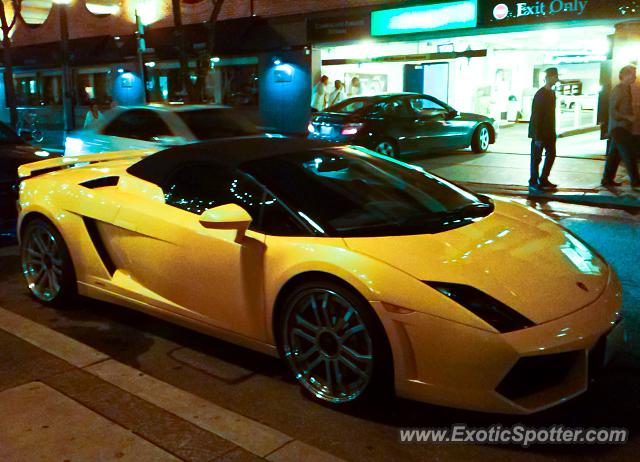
[(624, 144), (542, 131)]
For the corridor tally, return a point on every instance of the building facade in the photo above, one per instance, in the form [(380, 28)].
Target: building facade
[(483, 56)]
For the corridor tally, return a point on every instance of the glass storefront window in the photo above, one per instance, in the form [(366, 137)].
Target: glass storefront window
[(500, 85), (27, 91), (228, 85), (94, 86)]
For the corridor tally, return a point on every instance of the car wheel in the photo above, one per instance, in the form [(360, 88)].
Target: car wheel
[(46, 263), (334, 344), (481, 139), (386, 148)]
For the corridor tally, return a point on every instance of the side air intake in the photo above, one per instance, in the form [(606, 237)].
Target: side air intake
[(98, 243), (101, 182)]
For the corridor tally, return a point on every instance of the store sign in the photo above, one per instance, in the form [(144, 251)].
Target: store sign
[(425, 18), (338, 29), (501, 12)]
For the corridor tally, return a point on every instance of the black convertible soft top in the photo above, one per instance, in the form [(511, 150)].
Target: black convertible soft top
[(228, 153)]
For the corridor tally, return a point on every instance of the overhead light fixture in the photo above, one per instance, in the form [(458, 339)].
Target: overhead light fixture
[(151, 64)]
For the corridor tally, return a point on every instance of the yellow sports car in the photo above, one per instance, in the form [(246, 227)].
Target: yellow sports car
[(365, 274)]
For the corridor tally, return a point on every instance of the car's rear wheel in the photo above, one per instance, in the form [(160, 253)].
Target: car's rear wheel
[(333, 344), (46, 263), (386, 148), (481, 139)]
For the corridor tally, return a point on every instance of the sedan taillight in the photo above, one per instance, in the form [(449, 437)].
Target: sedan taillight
[(351, 129)]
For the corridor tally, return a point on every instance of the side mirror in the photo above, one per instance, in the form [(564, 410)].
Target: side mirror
[(229, 216), (168, 141), (452, 114)]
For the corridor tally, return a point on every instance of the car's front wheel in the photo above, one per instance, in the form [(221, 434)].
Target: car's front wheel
[(334, 345), (481, 139), (46, 263)]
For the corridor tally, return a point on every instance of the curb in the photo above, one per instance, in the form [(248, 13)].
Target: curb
[(591, 197)]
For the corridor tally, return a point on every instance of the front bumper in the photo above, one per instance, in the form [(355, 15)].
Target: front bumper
[(522, 372)]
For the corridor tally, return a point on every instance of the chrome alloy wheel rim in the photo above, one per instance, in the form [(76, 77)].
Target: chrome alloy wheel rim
[(328, 346), (385, 148), (484, 138), (42, 264)]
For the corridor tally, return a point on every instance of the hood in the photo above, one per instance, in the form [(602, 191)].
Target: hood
[(476, 117), (516, 255)]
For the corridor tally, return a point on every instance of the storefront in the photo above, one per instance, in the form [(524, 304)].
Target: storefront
[(482, 57)]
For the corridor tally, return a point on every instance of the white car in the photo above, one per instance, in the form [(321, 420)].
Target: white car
[(157, 127)]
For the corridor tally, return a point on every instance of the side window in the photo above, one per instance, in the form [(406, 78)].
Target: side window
[(140, 124), (426, 107), (353, 106), (395, 107), (198, 187)]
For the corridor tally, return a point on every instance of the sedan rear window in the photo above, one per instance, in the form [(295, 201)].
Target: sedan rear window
[(207, 124), (350, 106)]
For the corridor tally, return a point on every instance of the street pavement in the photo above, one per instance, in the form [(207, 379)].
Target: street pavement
[(95, 381)]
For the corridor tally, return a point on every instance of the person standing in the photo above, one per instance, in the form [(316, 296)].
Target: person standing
[(93, 115), (355, 89), (542, 131), (337, 95), (624, 144), (320, 96)]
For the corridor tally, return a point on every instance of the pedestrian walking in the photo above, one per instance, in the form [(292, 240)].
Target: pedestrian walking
[(93, 115), (623, 145), (337, 95), (542, 131), (320, 96)]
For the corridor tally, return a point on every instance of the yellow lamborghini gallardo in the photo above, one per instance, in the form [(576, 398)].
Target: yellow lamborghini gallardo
[(363, 273)]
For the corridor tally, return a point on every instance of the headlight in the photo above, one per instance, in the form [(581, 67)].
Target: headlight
[(487, 308)]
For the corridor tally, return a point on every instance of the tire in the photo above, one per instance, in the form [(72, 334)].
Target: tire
[(481, 139), (334, 344), (387, 148), (46, 263)]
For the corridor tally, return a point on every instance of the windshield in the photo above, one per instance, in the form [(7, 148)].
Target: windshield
[(349, 192), (207, 124), (350, 106)]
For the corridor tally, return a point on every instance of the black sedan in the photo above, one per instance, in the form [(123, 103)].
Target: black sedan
[(14, 151), (402, 123)]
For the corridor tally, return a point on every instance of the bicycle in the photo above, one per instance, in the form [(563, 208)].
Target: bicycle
[(31, 125)]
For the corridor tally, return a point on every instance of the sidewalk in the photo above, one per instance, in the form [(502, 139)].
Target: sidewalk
[(505, 170), (62, 400)]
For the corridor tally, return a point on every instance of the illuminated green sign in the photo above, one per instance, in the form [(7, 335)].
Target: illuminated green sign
[(461, 14)]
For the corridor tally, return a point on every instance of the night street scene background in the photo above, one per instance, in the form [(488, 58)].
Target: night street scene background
[(319, 230)]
